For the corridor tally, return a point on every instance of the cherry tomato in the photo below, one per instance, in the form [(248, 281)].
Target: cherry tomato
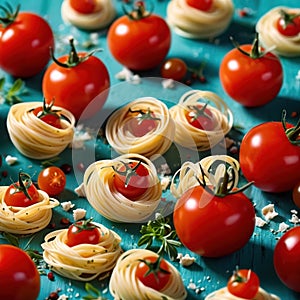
[(25, 39), (244, 284), (296, 194), (48, 115), (202, 220), (200, 117), (153, 272), (22, 193), (269, 159), (83, 232), (139, 40), (203, 5), (131, 180), (19, 276), (83, 6), (174, 68), (52, 180), (287, 258), (251, 78), (288, 24), (77, 82), (141, 122)]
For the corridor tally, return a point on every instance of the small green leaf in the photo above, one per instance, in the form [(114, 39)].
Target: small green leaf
[(12, 239), (16, 87), (2, 82)]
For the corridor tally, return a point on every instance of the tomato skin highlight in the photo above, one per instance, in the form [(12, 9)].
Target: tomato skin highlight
[(19, 276), (157, 282), (203, 220), (52, 180), (24, 45), (243, 283), (251, 82), (174, 68), (287, 258), (79, 87), (269, 159), (139, 44)]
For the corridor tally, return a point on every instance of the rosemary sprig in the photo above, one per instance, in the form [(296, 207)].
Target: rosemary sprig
[(161, 231)]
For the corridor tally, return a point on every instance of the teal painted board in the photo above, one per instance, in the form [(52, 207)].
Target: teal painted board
[(206, 274)]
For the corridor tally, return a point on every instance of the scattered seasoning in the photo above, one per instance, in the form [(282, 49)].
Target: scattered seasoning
[(4, 173), (65, 221), (50, 276), (53, 295), (81, 167), (66, 168), (294, 114)]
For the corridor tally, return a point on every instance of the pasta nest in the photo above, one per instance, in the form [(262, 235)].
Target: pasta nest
[(35, 138)]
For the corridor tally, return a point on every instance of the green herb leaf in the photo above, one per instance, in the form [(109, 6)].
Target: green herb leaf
[(161, 231), (13, 93), (12, 239), (93, 293)]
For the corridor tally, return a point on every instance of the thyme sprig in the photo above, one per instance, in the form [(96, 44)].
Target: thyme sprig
[(161, 231)]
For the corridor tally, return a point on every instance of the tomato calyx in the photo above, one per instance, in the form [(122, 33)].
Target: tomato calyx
[(84, 225), (138, 11), (288, 18), (129, 171), (9, 14), (224, 185), (142, 115), (199, 111), (24, 182), (154, 267), (255, 49), (73, 58), (293, 132)]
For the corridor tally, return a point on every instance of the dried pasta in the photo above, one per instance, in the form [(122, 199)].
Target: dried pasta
[(186, 177), (190, 22), (106, 200), (223, 294), (124, 284), (271, 38), (188, 135), (155, 142), (26, 220), (83, 262), (102, 16), (35, 138)]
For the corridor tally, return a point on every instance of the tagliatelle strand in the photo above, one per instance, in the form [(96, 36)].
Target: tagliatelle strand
[(155, 142), (125, 285), (270, 37), (106, 200), (186, 177), (101, 18), (190, 22), (82, 262), (191, 137), (26, 220), (35, 138)]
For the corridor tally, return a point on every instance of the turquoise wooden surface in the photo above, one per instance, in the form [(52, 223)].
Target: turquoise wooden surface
[(206, 274)]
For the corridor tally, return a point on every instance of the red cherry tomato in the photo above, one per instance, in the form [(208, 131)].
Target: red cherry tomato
[(52, 180), (48, 115), (152, 275), (288, 24), (25, 40), (22, 193), (244, 284), (131, 180), (203, 5), (200, 117), (296, 194), (202, 220), (83, 84), (19, 276), (287, 258), (83, 6), (139, 41), (141, 122), (174, 68), (269, 159), (83, 232), (248, 80)]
